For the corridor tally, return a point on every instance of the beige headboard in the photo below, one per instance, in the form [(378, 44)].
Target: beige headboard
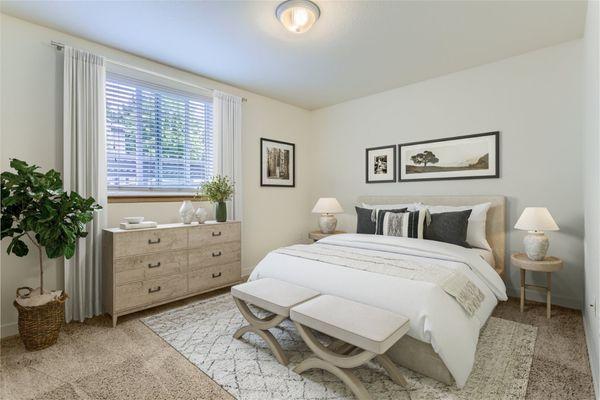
[(496, 217)]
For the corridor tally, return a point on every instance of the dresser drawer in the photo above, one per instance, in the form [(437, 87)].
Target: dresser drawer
[(203, 235), (151, 291), (216, 254), (215, 276), (149, 241), (140, 268)]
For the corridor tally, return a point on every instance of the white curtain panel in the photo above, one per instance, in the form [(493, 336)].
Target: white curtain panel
[(227, 124), (84, 171)]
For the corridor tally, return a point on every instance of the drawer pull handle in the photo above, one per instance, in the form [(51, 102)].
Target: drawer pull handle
[(154, 265), (150, 241), (216, 233), (154, 290), (216, 275), (217, 254)]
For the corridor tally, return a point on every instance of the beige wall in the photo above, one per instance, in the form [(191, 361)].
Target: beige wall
[(591, 175), (533, 99), (31, 129)]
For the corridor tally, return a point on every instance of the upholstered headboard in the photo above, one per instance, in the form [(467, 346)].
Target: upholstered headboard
[(496, 217)]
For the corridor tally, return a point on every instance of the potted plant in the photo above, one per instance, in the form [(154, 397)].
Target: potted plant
[(218, 189), (36, 210)]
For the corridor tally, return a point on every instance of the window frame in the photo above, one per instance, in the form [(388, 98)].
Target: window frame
[(158, 194)]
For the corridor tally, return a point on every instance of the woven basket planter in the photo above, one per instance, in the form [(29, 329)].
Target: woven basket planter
[(39, 326)]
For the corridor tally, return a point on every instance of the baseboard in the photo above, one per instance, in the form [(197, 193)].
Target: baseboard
[(10, 329), (592, 347), (563, 301)]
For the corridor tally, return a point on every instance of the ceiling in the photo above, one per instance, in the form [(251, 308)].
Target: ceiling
[(356, 48)]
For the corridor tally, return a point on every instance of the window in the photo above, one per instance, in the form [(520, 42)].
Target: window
[(158, 139)]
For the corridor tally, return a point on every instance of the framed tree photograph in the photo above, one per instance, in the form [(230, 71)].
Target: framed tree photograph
[(380, 164), (277, 163), (461, 157)]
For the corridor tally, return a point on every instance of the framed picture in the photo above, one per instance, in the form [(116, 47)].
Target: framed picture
[(461, 157), (381, 164), (277, 163)]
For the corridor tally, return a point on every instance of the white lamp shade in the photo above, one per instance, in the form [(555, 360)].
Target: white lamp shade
[(327, 205), (536, 219)]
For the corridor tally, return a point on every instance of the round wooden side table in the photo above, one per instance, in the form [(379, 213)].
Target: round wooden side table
[(318, 235), (547, 265)]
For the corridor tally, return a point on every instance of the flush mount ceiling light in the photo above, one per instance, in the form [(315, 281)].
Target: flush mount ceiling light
[(298, 16)]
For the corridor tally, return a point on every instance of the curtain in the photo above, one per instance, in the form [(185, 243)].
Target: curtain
[(227, 125), (84, 171)]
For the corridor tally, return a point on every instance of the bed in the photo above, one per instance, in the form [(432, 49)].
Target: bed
[(442, 339)]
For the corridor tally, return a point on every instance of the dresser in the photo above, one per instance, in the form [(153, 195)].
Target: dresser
[(148, 267)]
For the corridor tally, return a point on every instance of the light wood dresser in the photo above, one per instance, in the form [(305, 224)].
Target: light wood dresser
[(148, 267)]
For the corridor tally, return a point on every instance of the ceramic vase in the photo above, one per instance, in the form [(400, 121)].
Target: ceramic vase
[(201, 215), (186, 212), (221, 213)]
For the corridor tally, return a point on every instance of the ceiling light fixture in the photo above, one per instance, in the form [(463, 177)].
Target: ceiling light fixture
[(298, 16)]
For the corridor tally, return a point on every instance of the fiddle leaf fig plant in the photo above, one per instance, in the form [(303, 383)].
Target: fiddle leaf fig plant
[(36, 210)]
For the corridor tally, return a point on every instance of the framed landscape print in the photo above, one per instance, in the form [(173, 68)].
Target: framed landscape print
[(381, 164), (277, 163), (462, 157)]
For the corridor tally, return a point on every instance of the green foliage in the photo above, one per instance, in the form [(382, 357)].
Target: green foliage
[(35, 203), (219, 188)]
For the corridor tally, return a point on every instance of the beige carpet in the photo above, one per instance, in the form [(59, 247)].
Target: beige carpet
[(95, 361)]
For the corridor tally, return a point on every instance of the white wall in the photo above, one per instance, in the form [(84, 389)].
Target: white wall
[(591, 155), (31, 110), (533, 99)]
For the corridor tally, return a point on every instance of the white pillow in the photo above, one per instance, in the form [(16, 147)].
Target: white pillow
[(408, 206), (476, 228)]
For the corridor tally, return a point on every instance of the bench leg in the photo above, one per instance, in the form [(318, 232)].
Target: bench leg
[(261, 326), (392, 370), (349, 379)]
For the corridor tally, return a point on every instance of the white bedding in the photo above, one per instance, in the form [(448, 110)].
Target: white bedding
[(435, 317)]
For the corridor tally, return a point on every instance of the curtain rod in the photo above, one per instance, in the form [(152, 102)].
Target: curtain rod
[(59, 46)]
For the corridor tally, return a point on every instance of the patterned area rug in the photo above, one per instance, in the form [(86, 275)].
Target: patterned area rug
[(202, 332)]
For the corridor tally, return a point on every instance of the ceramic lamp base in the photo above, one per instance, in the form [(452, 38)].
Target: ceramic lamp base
[(327, 223), (536, 245)]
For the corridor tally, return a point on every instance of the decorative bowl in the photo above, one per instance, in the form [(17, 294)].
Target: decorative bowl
[(134, 220)]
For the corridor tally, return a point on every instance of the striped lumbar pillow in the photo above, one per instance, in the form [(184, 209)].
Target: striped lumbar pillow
[(405, 224)]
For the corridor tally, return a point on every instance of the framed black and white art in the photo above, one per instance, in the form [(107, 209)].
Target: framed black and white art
[(277, 163), (381, 164), (461, 157)]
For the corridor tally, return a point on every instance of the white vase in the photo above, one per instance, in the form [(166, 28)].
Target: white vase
[(186, 212), (201, 215)]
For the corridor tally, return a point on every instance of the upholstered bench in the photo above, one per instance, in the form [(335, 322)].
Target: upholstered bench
[(363, 332), (274, 296)]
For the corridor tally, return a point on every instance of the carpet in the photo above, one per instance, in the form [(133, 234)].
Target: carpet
[(202, 332)]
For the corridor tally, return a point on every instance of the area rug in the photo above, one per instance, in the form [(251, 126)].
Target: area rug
[(202, 332)]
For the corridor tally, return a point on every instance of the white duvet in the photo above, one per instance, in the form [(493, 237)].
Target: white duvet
[(435, 317)]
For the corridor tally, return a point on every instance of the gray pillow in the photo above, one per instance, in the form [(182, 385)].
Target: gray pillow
[(364, 224), (449, 227)]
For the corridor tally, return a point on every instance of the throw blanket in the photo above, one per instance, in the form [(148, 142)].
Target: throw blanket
[(455, 283)]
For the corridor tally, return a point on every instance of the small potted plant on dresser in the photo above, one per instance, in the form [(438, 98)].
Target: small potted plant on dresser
[(36, 210), (218, 190)]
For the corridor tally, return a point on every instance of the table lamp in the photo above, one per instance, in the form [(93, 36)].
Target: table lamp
[(536, 220), (327, 206)]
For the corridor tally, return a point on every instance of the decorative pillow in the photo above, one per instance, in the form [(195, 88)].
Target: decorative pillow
[(476, 236), (449, 227), (364, 221), (405, 224), (377, 215)]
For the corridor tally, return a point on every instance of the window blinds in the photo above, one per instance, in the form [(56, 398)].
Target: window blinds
[(158, 138)]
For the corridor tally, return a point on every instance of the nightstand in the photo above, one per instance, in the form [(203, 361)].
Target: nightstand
[(547, 265), (318, 235)]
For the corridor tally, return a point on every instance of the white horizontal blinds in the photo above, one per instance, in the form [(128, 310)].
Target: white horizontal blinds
[(158, 138)]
